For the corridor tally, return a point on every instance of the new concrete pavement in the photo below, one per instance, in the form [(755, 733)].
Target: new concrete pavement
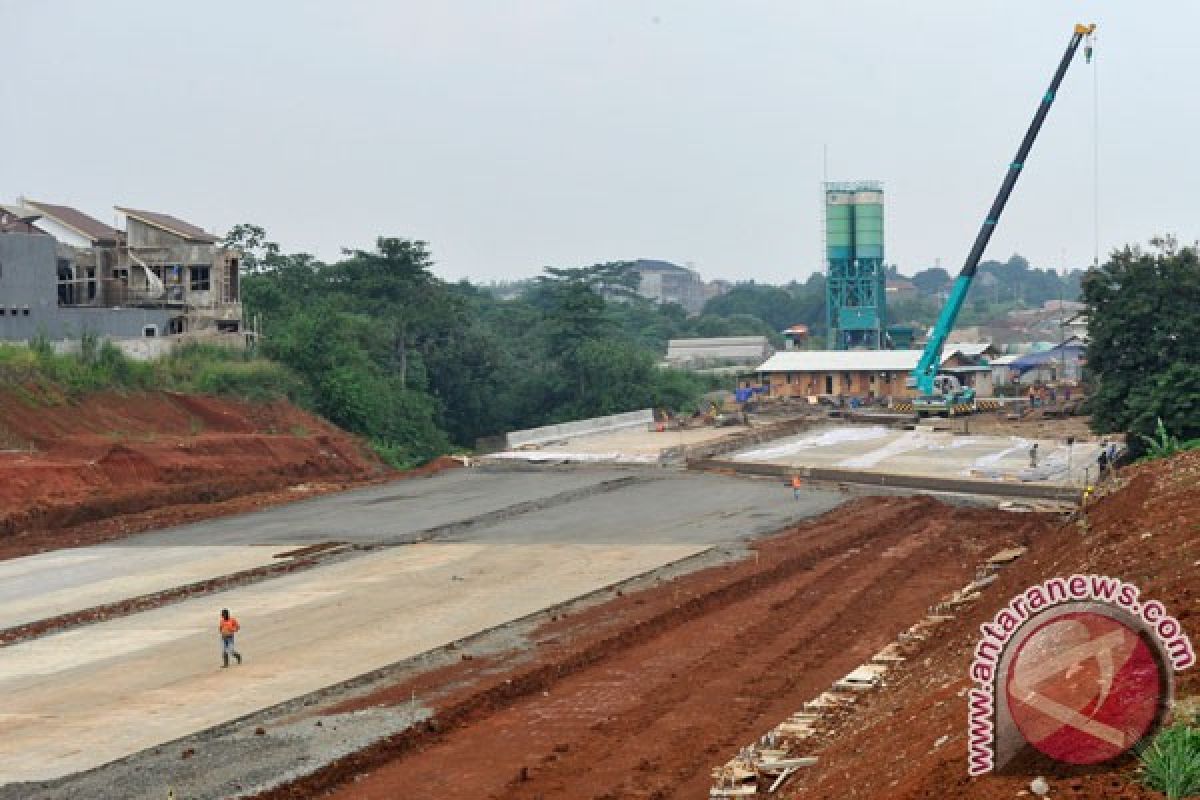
[(506, 544)]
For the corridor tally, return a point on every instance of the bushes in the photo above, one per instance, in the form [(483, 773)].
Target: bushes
[(1171, 763), (101, 366)]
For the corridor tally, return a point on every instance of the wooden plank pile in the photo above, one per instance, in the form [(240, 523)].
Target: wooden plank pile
[(763, 767)]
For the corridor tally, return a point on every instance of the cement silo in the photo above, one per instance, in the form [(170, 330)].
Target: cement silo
[(856, 279)]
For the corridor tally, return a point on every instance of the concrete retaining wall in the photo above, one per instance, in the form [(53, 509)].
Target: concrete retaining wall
[(958, 485), (582, 427)]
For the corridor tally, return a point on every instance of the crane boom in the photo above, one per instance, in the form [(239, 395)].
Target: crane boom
[(923, 375)]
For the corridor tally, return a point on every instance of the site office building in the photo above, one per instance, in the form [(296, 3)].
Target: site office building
[(868, 374), (64, 273)]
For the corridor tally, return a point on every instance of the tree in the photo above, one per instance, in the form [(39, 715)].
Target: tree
[(393, 283), (1144, 340), (931, 281)]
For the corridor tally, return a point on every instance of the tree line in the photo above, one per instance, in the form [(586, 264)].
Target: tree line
[(421, 366)]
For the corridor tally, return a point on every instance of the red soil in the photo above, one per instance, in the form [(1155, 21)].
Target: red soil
[(642, 695), (1147, 532), (80, 472)]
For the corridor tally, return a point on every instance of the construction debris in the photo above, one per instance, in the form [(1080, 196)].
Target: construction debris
[(775, 757)]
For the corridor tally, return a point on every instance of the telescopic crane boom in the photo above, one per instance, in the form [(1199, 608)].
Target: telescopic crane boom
[(924, 376)]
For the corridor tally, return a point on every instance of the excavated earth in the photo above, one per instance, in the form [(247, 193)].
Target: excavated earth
[(908, 740), (82, 472), (641, 695)]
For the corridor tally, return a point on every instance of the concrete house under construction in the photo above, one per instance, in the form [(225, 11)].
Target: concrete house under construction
[(64, 273)]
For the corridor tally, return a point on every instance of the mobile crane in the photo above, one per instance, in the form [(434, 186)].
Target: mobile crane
[(942, 394)]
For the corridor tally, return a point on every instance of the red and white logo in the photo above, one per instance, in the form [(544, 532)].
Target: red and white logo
[(1084, 687), (1077, 669)]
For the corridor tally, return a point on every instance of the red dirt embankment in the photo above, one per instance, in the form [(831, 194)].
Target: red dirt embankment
[(153, 458), (1146, 532)]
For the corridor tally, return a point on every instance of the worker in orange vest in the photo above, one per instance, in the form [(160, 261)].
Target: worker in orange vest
[(796, 487), (228, 626)]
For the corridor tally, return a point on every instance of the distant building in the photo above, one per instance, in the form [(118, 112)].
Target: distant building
[(664, 282), (719, 351), (796, 337), (900, 289), (1064, 362), (64, 273), (970, 363)]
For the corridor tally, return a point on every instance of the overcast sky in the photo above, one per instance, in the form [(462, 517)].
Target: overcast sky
[(516, 135)]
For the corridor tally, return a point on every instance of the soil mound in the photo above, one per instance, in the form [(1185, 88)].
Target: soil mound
[(64, 464)]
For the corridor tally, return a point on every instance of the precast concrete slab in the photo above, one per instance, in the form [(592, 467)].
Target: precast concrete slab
[(628, 446), (931, 454), (49, 584)]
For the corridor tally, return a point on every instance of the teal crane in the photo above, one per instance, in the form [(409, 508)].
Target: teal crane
[(942, 394)]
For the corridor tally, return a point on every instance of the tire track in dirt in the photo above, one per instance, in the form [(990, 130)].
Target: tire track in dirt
[(780, 660)]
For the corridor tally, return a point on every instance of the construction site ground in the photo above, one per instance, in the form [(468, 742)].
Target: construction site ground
[(425, 563), (539, 632)]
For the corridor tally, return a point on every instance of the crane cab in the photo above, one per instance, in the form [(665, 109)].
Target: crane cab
[(949, 398)]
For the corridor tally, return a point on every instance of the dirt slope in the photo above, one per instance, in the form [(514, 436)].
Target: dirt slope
[(63, 464), (1147, 532)]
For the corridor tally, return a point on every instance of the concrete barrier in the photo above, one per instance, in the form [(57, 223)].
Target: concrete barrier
[(1043, 491), (582, 427)]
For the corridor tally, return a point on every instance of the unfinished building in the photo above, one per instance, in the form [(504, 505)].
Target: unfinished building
[(64, 274)]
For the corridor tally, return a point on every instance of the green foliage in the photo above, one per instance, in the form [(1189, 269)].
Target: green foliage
[(101, 366), (1162, 444), (1171, 763), (1144, 343)]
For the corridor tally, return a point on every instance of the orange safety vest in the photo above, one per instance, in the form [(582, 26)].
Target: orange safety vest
[(795, 481), (229, 626)]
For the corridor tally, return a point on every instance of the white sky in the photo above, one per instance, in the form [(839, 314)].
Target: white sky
[(516, 135)]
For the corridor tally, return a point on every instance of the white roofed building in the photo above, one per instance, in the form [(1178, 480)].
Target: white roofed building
[(865, 374), (717, 351), (868, 374)]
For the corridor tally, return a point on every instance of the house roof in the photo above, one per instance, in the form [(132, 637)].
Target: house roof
[(88, 227), (184, 230), (1069, 350), (841, 361), (749, 348), (1003, 361), (968, 349)]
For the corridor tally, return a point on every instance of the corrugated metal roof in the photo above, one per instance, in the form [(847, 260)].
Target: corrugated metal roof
[(968, 348), (718, 341), (842, 361)]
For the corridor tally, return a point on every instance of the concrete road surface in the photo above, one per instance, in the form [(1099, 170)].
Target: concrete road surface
[(78, 699)]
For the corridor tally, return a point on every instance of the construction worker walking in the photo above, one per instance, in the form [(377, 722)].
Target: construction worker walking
[(228, 627), (796, 484)]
